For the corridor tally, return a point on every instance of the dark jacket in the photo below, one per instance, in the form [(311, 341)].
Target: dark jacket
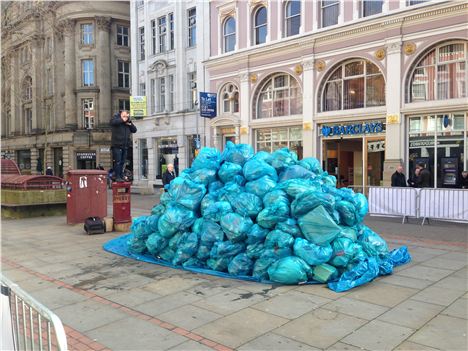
[(425, 178), (463, 182), (49, 172), (121, 132), (398, 179), (168, 177)]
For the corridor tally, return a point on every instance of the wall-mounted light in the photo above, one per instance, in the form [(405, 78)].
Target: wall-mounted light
[(307, 126), (244, 130)]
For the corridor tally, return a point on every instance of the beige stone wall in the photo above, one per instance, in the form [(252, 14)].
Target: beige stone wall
[(42, 40)]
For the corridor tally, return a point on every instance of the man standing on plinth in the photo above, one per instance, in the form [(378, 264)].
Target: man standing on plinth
[(122, 127)]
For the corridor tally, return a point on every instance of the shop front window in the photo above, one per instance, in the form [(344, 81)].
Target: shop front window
[(24, 161), (440, 74), (271, 139), (445, 161), (167, 152), (279, 96), (354, 84)]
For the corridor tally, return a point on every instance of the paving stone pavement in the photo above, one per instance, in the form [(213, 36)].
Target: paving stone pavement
[(109, 302)]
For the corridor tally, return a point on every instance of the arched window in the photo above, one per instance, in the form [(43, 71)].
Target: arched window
[(279, 96), (229, 33), (440, 74), (230, 97), (27, 88), (260, 25), (292, 17), (353, 84)]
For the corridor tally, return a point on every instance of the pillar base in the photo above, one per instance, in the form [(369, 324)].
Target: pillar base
[(122, 227)]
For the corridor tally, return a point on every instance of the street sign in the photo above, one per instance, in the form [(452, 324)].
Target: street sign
[(208, 105), (137, 106)]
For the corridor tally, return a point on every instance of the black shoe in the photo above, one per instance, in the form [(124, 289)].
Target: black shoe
[(119, 180)]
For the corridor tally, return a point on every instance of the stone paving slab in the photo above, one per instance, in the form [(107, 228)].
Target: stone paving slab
[(408, 345), (425, 273), (190, 345), (437, 295), (320, 328), (377, 335), (240, 327), (166, 303), (444, 333), (272, 341), (189, 317), (457, 309), (355, 308), (135, 334), (382, 294)]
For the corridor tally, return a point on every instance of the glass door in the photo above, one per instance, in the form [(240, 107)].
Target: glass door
[(374, 151)]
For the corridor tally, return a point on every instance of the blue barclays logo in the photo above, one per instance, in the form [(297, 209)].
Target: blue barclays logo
[(353, 129)]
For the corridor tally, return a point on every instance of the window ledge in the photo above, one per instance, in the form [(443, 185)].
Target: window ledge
[(93, 89), (354, 113), (276, 121)]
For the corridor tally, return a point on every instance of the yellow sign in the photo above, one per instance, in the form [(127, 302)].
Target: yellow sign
[(138, 106), (393, 119)]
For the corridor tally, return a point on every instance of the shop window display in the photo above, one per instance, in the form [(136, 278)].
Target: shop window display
[(168, 150), (445, 161), (271, 139)]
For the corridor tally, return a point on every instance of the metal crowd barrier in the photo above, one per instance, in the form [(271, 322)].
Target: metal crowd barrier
[(31, 326), (443, 204), (426, 203)]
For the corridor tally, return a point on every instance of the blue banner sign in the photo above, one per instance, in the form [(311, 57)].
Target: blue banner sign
[(208, 105), (352, 129)]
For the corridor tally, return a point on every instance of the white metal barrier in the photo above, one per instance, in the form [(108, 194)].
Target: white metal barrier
[(443, 204), (388, 201), (32, 325), (426, 203)]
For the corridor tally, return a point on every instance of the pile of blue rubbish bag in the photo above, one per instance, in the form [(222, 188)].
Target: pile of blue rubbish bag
[(267, 217)]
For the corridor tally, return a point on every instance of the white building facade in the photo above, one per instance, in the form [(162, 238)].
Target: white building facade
[(170, 39)]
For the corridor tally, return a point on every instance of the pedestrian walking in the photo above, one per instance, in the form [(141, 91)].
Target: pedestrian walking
[(122, 128), (168, 176), (398, 178)]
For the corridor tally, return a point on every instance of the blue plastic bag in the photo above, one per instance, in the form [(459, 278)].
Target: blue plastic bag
[(362, 273), (194, 263), (186, 248), (362, 206), (262, 156), (228, 170), (275, 197), (270, 216), (348, 232), (187, 193), (167, 254), (203, 176), (311, 253), (344, 250), (399, 256), (136, 245), (158, 210), (295, 171), (165, 197), (218, 264), (254, 251), (268, 257), (372, 243), (152, 223), (256, 234), (240, 265), (245, 204), (283, 158), (311, 164), (255, 169), (215, 211), (347, 213), (139, 228), (294, 187), (260, 186), (175, 218), (208, 157), (210, 232), (239, 154), (278, 239), (290, 226), (289, 270), (197, 225), (173, 242), (207, 201), (309, 200), (203, 252), (318, 227), (155, 243), (236, 227), (226, 249)]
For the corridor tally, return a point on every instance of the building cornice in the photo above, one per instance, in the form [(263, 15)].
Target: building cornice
[(346, 32)]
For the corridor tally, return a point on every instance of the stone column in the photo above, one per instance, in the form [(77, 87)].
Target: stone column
[(245, 108), (37, 69), (308, 92), (71, 121), (15, 93), (394, 136), (104, 71)]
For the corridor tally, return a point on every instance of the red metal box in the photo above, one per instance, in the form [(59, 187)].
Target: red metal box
[(121, 202)]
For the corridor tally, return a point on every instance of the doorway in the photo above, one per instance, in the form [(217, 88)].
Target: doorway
[(228, 137), (374, 160)]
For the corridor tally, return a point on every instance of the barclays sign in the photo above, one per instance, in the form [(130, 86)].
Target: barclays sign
[(352, 129)]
